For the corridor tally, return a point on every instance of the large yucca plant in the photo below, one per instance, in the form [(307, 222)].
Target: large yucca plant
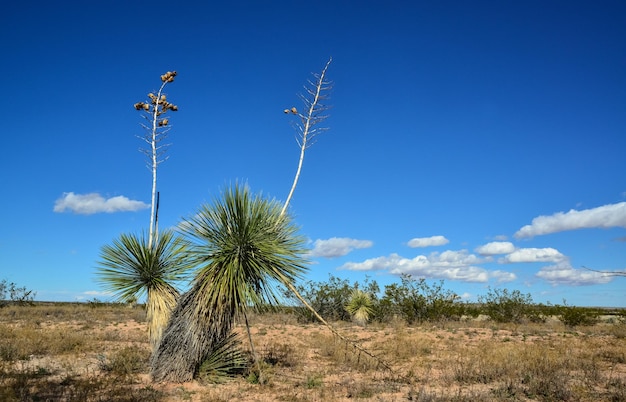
[(129, 269), (245, 246)]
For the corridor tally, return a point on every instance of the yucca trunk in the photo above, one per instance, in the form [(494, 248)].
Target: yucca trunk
[(159, 305), (194, 330)]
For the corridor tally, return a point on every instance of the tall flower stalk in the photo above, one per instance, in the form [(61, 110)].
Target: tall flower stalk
[(157, 129), (306, 130)]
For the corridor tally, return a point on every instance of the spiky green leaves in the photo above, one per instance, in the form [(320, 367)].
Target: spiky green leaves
[(360, 306), (129, 268), (245, 247)]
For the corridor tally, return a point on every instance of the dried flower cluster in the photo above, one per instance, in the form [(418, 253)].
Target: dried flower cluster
[(162, 102), (293, 110), (158, 104), (169, 76)]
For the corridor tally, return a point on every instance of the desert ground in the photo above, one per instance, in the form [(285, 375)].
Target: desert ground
[(87, 352)]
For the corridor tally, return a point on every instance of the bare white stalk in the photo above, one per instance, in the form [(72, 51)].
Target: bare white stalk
[(155, 163), (307, 133), (308, 121), (155, 108)]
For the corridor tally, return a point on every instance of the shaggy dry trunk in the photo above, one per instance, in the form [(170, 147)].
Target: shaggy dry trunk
[(193, 331), (160, 303)]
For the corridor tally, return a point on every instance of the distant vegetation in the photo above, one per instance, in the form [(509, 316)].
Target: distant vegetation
[(10, 292), (417, 301)]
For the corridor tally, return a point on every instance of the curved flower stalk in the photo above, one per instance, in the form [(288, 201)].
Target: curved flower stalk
[(314, 114)]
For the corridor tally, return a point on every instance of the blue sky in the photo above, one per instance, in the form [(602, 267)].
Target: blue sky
[(481, 142)]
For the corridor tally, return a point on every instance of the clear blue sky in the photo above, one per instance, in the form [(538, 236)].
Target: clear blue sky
[(482, 143)]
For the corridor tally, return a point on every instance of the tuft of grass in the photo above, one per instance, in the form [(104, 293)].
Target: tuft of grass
[(343, 354), (126, 361), (281, 354), (314, 381)]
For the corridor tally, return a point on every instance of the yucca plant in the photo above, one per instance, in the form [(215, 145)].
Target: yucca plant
[(130, 269), (245, 246), (134, 266), (360, 306)]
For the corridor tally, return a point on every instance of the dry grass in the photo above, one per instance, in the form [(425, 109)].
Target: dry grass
[(100, 353)]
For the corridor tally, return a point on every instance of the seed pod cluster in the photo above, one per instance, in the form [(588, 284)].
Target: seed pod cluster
[(159, 103), (169, 76)]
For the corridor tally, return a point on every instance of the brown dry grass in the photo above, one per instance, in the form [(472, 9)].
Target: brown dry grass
[(75, 352)]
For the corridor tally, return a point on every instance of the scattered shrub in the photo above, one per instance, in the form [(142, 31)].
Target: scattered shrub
[(502, 305), (574, 316), (417, 301), (18, 295)]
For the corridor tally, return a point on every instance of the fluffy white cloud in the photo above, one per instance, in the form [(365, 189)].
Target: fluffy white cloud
[(496, 247), (93, 203), (428, 241), (533, 255), (337, 246), (606, 216), (563, 274), (452, 265), (502, 276)]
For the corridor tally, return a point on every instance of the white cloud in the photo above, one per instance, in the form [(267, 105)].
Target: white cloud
[(337, 246), (452, 265), (606, 216), (563, 274), (428, 241), (533, 255), (502, 276), (91, 294), (93, 203), (96, 293), (495, 247)]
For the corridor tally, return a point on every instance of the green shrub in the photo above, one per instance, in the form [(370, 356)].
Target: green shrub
[(574, 316), (502, 305), (415, 300), (330, 298)]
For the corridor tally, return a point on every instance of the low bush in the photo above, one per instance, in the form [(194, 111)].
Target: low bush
[(502, 305), (574, 316)]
